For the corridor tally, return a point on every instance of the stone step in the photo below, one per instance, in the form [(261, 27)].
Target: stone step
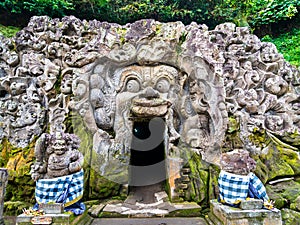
[(158, 209), (150, 221)]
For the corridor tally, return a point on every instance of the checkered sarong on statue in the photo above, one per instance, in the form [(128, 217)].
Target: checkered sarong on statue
[(65, 189), (233, 188)]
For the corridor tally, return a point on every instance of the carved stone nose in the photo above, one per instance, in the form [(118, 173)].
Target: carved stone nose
[(149, 93)]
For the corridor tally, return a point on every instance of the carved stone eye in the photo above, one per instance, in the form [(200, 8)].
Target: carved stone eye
[(162, 85), (133, 86)]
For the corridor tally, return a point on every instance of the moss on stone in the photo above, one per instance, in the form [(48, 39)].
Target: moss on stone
[(261, 170), (75, 124), (185, 213), (104, 214), (276, 162), (83, 219), (232, 135), (259, 138), (198, 187), (290, 217), (18, 161), (100, 187), (296, 204), (213, 187), (233, 125), (292, 158), (121, 33), (284, 193)]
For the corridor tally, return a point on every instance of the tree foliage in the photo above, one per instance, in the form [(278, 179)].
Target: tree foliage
[(38, 7), (253, 13), (288, 45)]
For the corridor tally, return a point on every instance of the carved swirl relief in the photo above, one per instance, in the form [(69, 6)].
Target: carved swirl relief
[(191, 76)]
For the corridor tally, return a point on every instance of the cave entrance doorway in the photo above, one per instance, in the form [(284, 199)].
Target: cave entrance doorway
[(147, 170)]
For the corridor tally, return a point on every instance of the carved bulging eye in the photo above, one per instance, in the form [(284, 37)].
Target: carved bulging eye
[(133, 86), (163, 85)]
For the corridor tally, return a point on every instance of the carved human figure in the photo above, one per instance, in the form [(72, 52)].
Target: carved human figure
[(62, 161), (60, 158), (236, 181)]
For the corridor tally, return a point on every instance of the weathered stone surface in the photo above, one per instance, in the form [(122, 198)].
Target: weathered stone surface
[(53, 208), (284, 194), (296, 204), (193, 78), (3, 183), (226, 215), (57, 219), (152, 221), (95, 210), (290, 217), (251, 204), (237, 161), (159, 209)]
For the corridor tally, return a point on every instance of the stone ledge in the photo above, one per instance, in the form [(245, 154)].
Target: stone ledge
[(158, 209), (226, 215), (57, 219)]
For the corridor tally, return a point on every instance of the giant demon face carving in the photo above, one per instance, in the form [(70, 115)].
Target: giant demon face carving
[(145, 91), (150, 89)]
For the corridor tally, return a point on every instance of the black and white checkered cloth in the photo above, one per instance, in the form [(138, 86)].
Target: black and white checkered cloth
[(65, 189), (233, 188)]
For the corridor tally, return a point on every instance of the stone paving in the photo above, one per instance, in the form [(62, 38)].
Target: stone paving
[(150, 221)]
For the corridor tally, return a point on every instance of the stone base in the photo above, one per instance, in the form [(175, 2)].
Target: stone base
[(57, 219), (225, 215), (139, 210), (149, 221), (53, 208), (251, 204)]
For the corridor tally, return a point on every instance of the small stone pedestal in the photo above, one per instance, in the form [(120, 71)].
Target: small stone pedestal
[(56, 219), (225, 215), (3, 183), (53, 215)]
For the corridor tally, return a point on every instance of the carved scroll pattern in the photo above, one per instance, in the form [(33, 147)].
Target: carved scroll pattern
[(53, 66)]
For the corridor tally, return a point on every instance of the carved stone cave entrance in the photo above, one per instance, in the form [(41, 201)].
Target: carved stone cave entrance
[(147, 169), (117, 78)]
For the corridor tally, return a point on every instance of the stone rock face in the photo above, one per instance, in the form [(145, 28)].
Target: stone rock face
[(225, 215), (3, 183), (196, 80)]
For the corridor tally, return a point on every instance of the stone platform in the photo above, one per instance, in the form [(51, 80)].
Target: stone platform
[(149, 221), (57, 219), (225, 215), (139, 210)]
